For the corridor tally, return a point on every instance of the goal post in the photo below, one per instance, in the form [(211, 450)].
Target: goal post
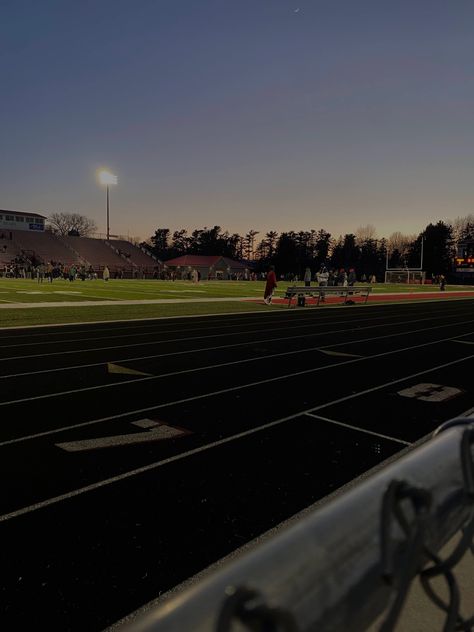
[(405, 275)]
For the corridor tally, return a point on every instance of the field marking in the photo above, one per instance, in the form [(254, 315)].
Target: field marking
[(149, 343), (123, 370), (375, 434), (155, 432), (183, 455), (233, 363), (428, 392), (162, 322), (242, 344), (231, 389), (211, 327), (352, 355)]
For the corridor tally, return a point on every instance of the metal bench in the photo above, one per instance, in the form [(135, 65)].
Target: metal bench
[(320, 291)]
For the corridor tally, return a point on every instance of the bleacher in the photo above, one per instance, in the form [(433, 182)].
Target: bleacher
[(8, 251), (44, 245), (136, 256), (96, 253)]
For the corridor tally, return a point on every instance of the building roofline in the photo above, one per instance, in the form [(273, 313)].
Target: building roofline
[(23, 213)]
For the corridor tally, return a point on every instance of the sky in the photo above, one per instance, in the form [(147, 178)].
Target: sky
[(247, 114)]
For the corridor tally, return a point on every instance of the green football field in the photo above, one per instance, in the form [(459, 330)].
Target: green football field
[(65, 301)]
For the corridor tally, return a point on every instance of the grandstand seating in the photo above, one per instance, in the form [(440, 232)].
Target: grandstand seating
[(8, 251), (95, 252), (137, 256), (44, 245)]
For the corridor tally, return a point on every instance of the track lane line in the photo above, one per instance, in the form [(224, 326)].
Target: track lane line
[(242, 344), (309, 320), (183, 455), (363, 430), (231, 389), (227, 364)]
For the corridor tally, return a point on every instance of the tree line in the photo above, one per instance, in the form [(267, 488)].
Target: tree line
[(292, 252)]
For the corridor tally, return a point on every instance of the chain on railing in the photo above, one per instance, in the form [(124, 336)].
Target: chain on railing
[(248, 607), (416, 509)]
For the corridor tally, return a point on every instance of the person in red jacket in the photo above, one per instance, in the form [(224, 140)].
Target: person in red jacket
[(270, 285)]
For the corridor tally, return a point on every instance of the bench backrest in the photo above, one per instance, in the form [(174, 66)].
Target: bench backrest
[(295, 289)]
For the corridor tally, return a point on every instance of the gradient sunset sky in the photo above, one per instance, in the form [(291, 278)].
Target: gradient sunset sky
[(249, 114)]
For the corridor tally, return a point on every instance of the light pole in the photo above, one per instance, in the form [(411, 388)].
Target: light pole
[(107, 178)]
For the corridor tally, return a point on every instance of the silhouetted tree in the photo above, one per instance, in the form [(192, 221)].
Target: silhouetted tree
[(160, 243), (322, 247), (180, 243), (346, 253), (65, 223), (285, 257), (438, 248)]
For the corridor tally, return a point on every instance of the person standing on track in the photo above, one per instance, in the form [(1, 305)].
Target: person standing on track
[(307, 277), (270, 286)]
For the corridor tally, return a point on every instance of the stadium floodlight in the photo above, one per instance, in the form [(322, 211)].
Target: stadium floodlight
[(106, 178)]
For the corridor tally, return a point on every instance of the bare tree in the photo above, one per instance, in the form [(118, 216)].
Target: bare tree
[(365, 233), (462, 227), (399, 241), (66, 223)]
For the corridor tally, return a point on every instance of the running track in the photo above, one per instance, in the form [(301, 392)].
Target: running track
[(245, 419)]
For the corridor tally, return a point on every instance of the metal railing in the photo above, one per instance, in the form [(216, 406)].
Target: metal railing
[(343, 565)]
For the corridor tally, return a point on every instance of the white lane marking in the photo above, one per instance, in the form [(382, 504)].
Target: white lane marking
[(149, 321), (307, 322), (465, 342), (185, 400), (318, 317), (183, 455), (158, 432), (363, 430), (233, 363), (294, 314), (226, 364), (242, 344)]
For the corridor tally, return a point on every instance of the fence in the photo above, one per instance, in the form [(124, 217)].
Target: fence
[(343, 565)]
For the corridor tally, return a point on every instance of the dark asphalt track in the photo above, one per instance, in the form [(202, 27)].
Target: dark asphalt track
[(279, 409)]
